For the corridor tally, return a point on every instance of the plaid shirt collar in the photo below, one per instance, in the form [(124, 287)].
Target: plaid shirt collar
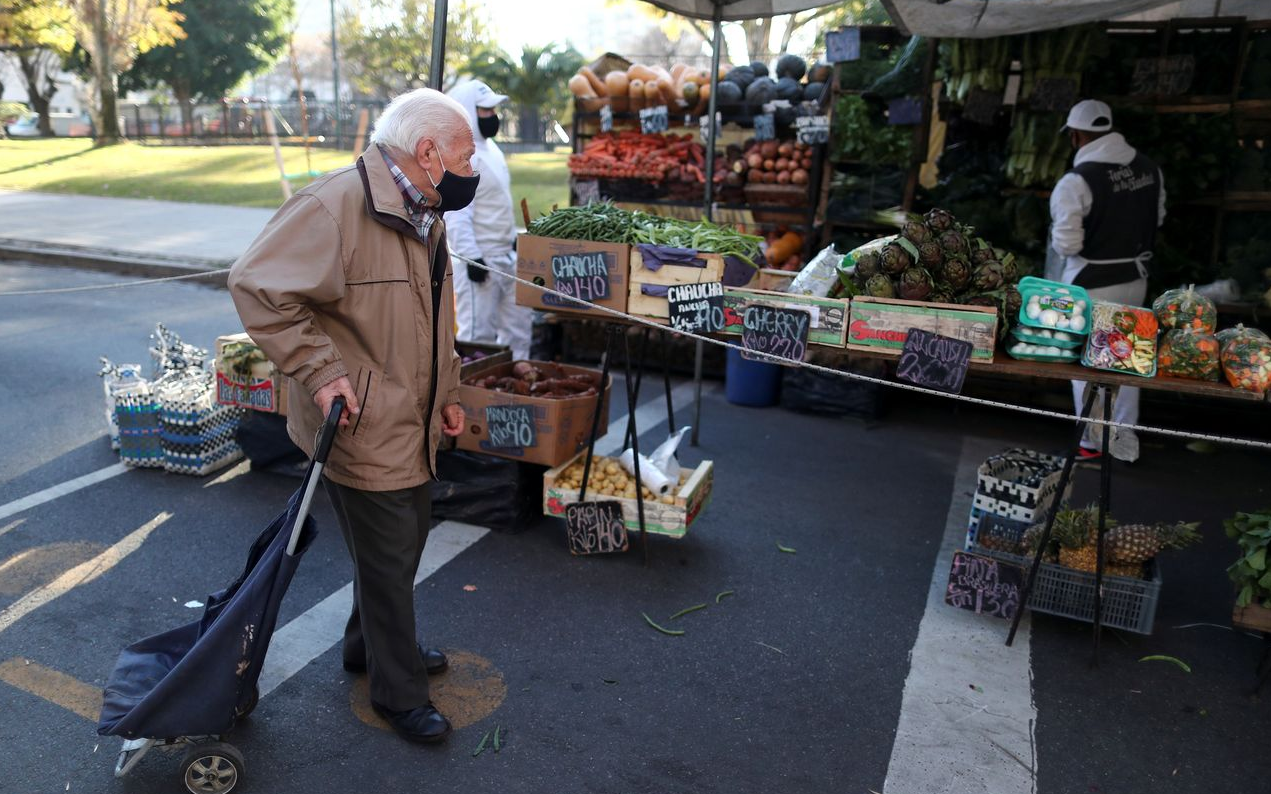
[(421, 217)]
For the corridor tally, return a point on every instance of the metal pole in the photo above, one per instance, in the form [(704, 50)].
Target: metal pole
[(438, 45), (717, 42), (335, 78)]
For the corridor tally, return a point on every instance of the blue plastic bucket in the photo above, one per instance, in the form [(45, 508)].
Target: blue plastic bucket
[(753, 383)]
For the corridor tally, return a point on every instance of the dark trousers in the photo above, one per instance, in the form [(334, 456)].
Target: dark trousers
[(385, 532)]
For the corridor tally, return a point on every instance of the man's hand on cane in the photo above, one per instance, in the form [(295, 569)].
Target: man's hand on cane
[(340, 387)]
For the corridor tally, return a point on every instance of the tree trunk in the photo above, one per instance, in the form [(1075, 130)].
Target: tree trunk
[(531, 129), (37, 94), (104, 70), (182, 93)]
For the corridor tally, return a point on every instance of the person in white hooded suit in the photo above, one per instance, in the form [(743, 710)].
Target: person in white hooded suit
[(485, 230)]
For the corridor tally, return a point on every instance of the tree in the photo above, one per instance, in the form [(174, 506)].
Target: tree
[(37, 34), (387, 44), (225, 41), (113, 33), (535, 82)]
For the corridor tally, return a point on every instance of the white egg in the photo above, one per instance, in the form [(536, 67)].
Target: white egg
[(1063, 322), (1062, 337), (1033, 310), (1077, 323), (1053, 351), (1045, 333), (1049, 317), (1018, 348)]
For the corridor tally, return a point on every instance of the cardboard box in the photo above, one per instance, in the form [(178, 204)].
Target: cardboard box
[(262, 388), (645, 283), (578, 267), (672, 520), (829, 315), (881, 324), (560, 427), (491, 356)]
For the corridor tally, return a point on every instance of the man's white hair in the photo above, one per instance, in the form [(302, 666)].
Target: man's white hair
[(415, 115)]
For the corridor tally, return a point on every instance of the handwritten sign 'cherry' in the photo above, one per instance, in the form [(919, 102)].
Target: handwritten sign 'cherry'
[(776, 330), (511, 426), (696, 308), (934, 361), (595, 527), (583, 275)]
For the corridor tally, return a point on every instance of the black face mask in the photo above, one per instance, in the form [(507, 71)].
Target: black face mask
[(488, 126), (456, 191)]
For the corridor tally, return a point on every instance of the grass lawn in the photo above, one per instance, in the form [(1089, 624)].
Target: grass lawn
[(245, 176)]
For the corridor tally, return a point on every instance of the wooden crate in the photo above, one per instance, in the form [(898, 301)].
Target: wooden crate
[(1254, 617), (655, 306), (880, 325), (774, 280), (494, 354), (672, 520), (829, 315)]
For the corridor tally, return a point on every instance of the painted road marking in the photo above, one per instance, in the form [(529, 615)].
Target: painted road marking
[(70, 486), (80, 574), (470, 690), (12, 525), (649, 416), (233, 473), (55, 687), (42, 564), (313, 633), (952, 738)]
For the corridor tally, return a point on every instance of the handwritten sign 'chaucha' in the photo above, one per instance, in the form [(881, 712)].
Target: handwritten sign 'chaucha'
[(511, 426), (584, 275), (595, 527), (984, 585), (696, 308), (776, 330), (934, 361)]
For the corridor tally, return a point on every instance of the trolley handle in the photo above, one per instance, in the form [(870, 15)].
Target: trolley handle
[(326, 435)]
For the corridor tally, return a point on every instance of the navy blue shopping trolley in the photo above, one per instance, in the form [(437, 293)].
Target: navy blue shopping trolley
[(186, 688)]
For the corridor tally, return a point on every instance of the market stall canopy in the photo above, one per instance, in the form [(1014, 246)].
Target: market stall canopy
[(987, 18), (736, 10)]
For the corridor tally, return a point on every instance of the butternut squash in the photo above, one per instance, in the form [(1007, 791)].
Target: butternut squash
[(597, 85), (783, 248), (580, 86), (638, 71), (616, 83), (635, 93)]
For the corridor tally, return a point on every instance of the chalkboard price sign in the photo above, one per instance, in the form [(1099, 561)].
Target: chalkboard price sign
[(511, 426), (1053, 94), (696, 308), (606, 118), (1167, 76), (704, 127), (982, 106), (653, 119), (584, 275), (587, 190), (934, 361), (595, 527), (984, 585), (765, 127), (904, 111), (813, 130), (843, 45), (776, 331)]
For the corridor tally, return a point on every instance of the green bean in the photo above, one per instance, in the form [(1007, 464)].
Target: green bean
[(481, 747), (723, 595), (672, 632), (497, 746), (683, 612)]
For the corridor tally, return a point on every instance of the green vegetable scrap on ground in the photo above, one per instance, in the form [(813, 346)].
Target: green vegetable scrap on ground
[(664, 630), (1172, 660)]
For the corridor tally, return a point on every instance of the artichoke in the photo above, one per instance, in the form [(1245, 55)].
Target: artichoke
[(1014, 301), (1010, 268), (896, 259), (981, 251), (939, 221), (879, 286), (956, 273), (987, 278), (867, 265), (954, 243), (983, 299), (916, 232), (930, 254), (942, 293), (915, 284)]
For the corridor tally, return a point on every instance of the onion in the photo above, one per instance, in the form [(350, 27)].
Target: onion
[(769, 165), (781, 164), (754, 160), (799, 177), (783, 177)]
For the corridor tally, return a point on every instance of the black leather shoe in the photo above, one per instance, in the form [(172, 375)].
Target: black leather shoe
[(434, 662), (423, 725)]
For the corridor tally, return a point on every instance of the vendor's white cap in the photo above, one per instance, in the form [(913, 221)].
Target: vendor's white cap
[(1089, 115), (486, 98)]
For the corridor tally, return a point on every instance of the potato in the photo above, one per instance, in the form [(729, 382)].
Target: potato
[(668, 500)]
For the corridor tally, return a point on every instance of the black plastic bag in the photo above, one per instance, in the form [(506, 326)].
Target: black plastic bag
[(808, 391), (495, 493)]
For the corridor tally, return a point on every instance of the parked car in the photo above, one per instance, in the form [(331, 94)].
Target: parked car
[(66, 125)]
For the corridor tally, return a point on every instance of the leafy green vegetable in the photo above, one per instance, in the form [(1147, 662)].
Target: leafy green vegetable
[(1252, 533)]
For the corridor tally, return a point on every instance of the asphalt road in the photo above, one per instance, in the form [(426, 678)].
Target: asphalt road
[(795, 683)]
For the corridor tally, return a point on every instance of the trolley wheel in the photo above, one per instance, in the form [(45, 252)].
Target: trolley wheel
[(212, 768), (243, 711)]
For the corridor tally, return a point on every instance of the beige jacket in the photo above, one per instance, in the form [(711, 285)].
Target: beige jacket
[(339, 284)]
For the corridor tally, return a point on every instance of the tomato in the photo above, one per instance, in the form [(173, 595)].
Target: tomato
[(1120, 345)]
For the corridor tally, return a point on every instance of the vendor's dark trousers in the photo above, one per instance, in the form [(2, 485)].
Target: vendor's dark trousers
[(385, 532)]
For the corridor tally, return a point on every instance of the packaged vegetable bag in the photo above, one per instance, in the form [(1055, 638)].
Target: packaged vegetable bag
[(1246, 361), (1189, 353), (1185, 308), (1228, 334)]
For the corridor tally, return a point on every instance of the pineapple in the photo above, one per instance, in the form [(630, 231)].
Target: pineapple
[(1138, 543), (1076, 531)]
